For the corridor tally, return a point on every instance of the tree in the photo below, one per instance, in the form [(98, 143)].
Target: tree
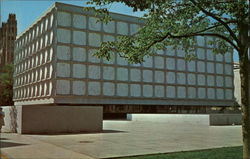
[(6, 85), (176, 23)]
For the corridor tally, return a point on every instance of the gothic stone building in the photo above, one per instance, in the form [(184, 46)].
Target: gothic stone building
[(8, 32)]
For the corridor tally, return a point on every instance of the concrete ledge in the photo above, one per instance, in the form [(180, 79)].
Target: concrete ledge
[(53, 119), (225, 119), (191, 119)]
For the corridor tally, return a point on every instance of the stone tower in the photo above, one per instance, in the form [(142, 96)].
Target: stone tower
[(8, 32)]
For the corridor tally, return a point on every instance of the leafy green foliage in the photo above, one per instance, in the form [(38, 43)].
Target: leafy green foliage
[(6, 85), (176, 23)]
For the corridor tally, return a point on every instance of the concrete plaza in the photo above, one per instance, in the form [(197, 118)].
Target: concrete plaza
[(121, 138)]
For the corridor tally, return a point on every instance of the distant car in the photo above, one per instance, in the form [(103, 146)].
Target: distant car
[(1, 118)]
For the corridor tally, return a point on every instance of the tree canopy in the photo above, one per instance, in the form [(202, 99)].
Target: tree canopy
[(176, 23)]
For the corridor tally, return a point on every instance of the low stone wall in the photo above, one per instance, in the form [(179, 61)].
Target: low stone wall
[(225, 119), (200, 119), (191, 119), (53, 119)]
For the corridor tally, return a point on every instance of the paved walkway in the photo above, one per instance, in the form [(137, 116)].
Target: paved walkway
[(121, 138)]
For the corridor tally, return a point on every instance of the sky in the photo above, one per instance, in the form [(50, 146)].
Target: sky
[(27, 11)]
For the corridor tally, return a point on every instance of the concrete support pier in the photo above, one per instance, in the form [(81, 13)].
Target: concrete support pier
[(34, 119)]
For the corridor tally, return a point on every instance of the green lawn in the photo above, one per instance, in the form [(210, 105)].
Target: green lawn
[(218, 153)]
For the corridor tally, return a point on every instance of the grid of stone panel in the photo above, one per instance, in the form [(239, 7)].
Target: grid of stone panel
[(59, 48), (33, 61), (165, 75)]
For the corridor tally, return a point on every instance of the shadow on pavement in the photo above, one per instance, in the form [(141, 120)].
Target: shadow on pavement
[(10, 144), (79, 133)]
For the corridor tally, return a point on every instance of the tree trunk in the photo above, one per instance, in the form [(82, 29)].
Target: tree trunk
[(244, 71)]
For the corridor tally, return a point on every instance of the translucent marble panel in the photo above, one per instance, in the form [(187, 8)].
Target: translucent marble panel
[(79, 54), (122, 74), (211, 93), (159, 91), (121, 60), (94, 39), (181, 64), (170, 51), (191, 79), (201, 93), (79, 38), (94, 72), (200, 41), (148, 62), (160, 52), (63, 70), (201, 66), (181, 92), (122, 28), (228, 69), (93, 24), (219, 81), (210, 67), (200, 53), (228, 57), (219, 68), (147, 90), (64, 19), (122, 89), (63, 52), (62, 87), (78, 87), (170, 63), (170, 77), (181, 78), (108, 89), (159, 76), (159, 62), (135, 90), (91, 57), (228, 82), (201, 80), (147, 76), (63, 35), (180, 53), (191, 92), (108, 38), (219, 57), (108, 73), (229, 94), (94, 88), (79, 71), (79, 21), (210, 54), (135, 75), (220, 93), (109, 27)]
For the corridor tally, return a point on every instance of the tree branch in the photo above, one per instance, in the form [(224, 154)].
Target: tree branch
[(169, 35), (217, 19)]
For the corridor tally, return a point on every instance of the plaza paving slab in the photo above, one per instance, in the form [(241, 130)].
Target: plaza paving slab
[(121, 138)]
